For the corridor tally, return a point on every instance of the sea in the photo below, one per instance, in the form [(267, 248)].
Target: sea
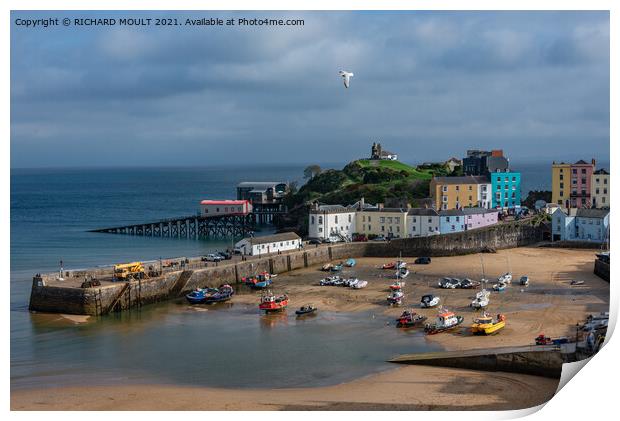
[(52, 211)]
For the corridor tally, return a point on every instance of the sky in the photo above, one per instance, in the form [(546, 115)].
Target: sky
[(427, 85)]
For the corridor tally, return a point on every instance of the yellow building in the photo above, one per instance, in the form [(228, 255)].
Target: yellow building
[(560, 184), (456, 192), (389, 222)]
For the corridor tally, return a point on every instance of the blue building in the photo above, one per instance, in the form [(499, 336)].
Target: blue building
[(506, 190), (452, 220)]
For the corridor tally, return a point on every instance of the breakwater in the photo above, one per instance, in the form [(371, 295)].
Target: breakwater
[(48, 294)]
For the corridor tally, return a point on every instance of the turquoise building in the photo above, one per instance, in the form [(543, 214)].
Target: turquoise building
[(506, 190)]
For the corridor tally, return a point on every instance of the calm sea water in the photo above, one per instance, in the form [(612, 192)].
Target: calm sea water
[(51, 211)]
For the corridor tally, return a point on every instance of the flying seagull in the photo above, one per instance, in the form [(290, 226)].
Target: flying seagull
[(346, 76)]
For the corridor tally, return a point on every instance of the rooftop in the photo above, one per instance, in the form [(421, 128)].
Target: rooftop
[(451, 212), (592, 213), (465, 179), (477, 210), (601, 171), (423, 212), (285, 236)]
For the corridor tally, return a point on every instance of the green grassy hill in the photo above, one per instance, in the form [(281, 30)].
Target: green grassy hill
[(376, 181)]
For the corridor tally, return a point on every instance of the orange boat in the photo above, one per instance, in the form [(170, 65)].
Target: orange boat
[(270, 302)]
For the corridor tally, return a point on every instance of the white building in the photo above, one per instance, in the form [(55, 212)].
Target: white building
[(580, 225), (422, 222), (256, 246), (225, 207), (335, 221), (484, 195), (600, 189)]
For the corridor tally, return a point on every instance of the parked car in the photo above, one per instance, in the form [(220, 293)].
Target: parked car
[(328, 240), (314, 241), (379, 238), (212, 257), (224, 254), (360, 238), (422, 261)]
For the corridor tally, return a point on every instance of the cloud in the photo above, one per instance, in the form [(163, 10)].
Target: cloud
[(429, 84)]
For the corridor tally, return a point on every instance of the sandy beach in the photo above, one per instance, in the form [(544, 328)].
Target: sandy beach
[(405, 388), (550, 305)]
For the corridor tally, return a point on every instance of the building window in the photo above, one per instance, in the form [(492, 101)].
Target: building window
[(604, 191), (389, 220), (514, 179), (452, 227), (506, 179), (369, 227), (604, 181), (413, 228), (561, 185), (457, 219), (574, 170), (469, 188), (382, 227), (336, 218), (382, 219), (320, 220), (397, 219), (597, 191), (561, 176), (499, 179), (217, 209), (414, 220), (312, 220), (457, 188), (598, 180), (444, 199), (430, 220), (447, 219), (444, 189), (583, 181), (561, 193), (583, 170), (369, 219), (349, 217), (444, 206), (320, 229)]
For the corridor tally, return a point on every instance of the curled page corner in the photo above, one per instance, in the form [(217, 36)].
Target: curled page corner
[(569, 370)]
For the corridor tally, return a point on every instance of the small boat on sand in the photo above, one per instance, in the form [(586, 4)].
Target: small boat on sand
[(577, 283), (524, 280), (270, 302), (480, 302), (410, 319), (327, 267), (395, 298), (199, 295), (499, 287), (400, 264), (360, 285), (401, 273), (446, 320), (350, 263), (506, 278), (486, 325), (429, 300), (260, 281), (305, 310), (224, 293), (391, 265), (397, 286), (336, 268), (329, 281)]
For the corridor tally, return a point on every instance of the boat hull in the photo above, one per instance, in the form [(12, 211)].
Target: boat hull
[(487, 329), (273, 307)]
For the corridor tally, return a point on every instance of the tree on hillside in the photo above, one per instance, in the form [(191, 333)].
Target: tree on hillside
[(312, 171)]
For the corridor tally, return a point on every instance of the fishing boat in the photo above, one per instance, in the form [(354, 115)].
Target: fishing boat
[(350, 263), (468, 284), (482, 293), (446, 320), (524, 280), (506, 278), (480, 302), (360, 285), (353, 282), (397, 285), (260, 281), (391, 265), (199, 295), (410, 319), (396, 298), (270, 302), (224, 293), (499, 287), (486, 325), (329, 281), (429, 301), (400, 264), (401, 273), (305, 310)]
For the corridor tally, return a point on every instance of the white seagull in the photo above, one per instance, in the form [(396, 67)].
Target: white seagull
[(346, 76)]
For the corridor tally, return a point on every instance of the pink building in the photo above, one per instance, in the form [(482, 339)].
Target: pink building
[(580, 184), (479, 217)]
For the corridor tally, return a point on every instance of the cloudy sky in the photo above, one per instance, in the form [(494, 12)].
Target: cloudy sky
[(429, 85)]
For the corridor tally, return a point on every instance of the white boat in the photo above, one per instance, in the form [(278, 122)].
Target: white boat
[(506, 278), (353, 282), (480, 302), (401, 265), (360, 285), (429, 300), (500, 286), (483, 293), (401, 273), (395, 298)]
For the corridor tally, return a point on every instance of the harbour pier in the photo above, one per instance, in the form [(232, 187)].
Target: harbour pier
[(194, 226)]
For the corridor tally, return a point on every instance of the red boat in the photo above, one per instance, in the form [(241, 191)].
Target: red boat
[(390, 265), (270, 302)]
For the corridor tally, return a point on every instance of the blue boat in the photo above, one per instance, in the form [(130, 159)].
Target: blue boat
[(200, 295), (224, 293), (350, 263), (336, 268)]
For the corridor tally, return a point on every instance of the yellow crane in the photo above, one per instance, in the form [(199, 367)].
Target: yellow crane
[(128, 271)]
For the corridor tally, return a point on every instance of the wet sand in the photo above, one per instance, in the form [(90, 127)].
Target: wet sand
[(549, 305), (405, 388)]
